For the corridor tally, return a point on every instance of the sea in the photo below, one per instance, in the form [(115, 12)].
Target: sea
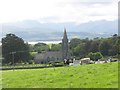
[(46, 42)]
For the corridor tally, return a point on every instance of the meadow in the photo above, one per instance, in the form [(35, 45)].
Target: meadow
[(82, 76)]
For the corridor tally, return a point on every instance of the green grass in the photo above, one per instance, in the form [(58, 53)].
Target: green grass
[(0, 80), (85, 76)]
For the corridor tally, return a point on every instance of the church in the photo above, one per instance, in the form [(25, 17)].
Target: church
[(55, 55)]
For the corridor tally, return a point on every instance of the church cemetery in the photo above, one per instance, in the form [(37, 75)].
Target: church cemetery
[(81, 76)]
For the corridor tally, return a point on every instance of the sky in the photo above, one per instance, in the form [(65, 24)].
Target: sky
[(58, 11)]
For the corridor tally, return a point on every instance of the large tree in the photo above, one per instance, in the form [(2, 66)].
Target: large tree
[(94, 46), (79, 51), (104, 47), (74, 42), (14, 45)]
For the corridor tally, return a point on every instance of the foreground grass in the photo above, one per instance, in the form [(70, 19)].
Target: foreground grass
[(85, 76)]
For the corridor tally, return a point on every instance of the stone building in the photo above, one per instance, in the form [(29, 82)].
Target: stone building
[(55, 55)]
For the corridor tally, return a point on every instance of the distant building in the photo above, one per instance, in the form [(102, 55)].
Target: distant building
[(55, 55), (85, 61)]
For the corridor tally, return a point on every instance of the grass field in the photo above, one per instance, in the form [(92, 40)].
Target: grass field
[(85, 76)]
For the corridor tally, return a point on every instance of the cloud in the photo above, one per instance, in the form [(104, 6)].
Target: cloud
[(77, 11)]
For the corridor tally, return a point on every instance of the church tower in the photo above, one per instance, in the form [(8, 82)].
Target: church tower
[(65, 46)]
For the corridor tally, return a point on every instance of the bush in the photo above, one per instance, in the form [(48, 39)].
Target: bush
[(31, 62), (95, 56), (33, 54)]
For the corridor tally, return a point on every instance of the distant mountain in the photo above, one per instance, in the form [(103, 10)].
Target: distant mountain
[(34, 30), (102, 26)]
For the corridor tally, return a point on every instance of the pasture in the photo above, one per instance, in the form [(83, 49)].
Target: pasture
[(82, 76)]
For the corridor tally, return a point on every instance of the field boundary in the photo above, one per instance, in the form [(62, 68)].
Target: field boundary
[(35, 67)]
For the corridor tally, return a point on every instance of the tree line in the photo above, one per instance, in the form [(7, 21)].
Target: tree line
[(14, 47), (104, 46)]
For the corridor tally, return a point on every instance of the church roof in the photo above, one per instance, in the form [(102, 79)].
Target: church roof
[(43, 56)]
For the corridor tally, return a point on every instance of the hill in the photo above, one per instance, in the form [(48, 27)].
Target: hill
[(32, 30), (85, 76)]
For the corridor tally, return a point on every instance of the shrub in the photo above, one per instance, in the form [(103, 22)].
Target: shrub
[(95, 56)]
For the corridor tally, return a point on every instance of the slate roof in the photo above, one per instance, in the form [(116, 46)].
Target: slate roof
[(44, 56)]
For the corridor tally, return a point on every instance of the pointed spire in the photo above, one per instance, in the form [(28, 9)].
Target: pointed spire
[(65, 34), (65, 45)]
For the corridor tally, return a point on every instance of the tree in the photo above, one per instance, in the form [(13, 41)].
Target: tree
[(79, 50), (88, 46), (73, 45), (55, 47), (94, 46), (32, 54), (74, 42), (118, 47), (12, 43), (113, 51), (39, 47), (113, 42), (95, 56), (104, 47)]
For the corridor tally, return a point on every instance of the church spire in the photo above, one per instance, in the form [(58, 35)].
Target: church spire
[(65, 45), (65, 34)]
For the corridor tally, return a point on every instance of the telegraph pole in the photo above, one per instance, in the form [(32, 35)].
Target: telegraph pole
[(13, 59)]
